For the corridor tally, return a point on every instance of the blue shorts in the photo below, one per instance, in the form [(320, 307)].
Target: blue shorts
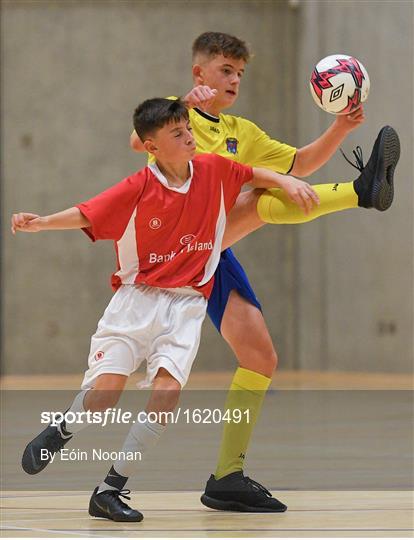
[(229, 275)]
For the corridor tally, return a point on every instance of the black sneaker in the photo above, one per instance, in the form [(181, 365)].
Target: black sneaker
[(51, 440), (108, 504), (374, 186), (238, 493)]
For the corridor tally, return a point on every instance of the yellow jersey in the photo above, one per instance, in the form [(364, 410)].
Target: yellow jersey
[(239, 139)]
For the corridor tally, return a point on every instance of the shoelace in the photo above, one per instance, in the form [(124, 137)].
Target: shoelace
[(257, 486), (121, 493), (359, 160)]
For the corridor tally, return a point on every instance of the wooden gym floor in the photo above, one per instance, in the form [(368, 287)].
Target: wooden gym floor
[(179, 513)]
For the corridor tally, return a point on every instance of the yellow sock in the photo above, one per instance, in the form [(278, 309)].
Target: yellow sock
[(274, 206), (247, 391)]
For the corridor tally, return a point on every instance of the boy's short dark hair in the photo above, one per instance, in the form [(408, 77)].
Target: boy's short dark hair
[(153, 114), (214, 43)]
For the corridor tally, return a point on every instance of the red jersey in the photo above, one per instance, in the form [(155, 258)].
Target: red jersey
[(166, 236)]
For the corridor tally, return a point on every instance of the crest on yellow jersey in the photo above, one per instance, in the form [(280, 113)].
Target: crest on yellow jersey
[(232, 145)]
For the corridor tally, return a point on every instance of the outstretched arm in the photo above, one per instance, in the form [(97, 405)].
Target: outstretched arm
[(298, 191), (72, 218), (312, 157)]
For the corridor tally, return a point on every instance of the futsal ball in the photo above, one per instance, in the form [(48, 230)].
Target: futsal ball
[(339, 84)]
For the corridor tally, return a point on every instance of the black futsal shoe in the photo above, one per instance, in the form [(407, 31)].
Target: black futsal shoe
[(40, 451), (375, 184), (108, 504), (238, 493)]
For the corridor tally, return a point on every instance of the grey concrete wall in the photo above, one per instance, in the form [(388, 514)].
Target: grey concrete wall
[(72, 74), (355, 270)]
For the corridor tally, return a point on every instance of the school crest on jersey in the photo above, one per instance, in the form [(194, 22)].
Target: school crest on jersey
[(232, 145)]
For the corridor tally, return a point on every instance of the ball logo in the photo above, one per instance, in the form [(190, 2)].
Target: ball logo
[(99, 355), (187, 239), (337, 93), (155, 223)]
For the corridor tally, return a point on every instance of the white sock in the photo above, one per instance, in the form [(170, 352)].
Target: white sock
[(70, 427), (141, 438)]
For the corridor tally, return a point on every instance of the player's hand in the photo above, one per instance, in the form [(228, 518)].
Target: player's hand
[(300, 193), (26, 222), (349, 122), (200, 96)]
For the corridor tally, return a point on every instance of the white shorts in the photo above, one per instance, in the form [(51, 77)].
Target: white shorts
[(161, 326)]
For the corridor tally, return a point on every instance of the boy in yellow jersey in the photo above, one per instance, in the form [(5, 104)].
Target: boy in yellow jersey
[(219, 61)]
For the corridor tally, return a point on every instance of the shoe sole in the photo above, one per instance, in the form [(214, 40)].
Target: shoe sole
[(234, 506), (96, 513), (389, 154), (100, 515), (29, 464)]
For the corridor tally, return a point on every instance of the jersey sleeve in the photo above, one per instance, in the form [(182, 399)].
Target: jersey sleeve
[(263, 151), (110, 211)]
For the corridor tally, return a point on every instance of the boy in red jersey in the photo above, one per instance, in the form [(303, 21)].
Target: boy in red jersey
[(167, 222), (219, 63)]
